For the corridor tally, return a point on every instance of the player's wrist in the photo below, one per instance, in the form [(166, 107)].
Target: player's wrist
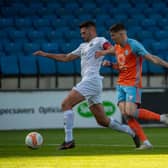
[(45, 54)]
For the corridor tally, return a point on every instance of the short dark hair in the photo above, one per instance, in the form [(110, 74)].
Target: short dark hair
[(117, 27), (87, 24)]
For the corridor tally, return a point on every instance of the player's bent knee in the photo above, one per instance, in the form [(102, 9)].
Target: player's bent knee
[(128, 113), (65, 106)]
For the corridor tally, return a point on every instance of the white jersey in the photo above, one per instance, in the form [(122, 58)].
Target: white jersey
[(90, 65)]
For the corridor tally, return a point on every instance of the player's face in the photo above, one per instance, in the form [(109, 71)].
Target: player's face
[(117, 37), (85, 34)]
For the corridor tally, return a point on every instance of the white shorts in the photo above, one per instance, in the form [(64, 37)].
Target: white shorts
[(91, 89)]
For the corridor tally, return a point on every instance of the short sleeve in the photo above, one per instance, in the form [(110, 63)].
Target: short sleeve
[(138, 48), (104, 43), (77, 51)]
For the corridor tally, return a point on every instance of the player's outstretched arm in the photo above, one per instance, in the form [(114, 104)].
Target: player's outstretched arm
[(156, 60), (58, 57), (108, 51)]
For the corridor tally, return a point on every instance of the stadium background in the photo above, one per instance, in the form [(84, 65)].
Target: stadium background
[(27, 26), (52, 26)]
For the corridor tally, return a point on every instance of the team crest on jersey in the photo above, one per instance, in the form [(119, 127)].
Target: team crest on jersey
[(130, 97), (126, 52), (91, 44)]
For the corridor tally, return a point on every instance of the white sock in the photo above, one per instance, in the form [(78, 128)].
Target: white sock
[(68, 125), (162, 118), (146, 142), (121, 127)]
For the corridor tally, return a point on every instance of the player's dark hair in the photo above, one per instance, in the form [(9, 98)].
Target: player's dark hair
[(117, 27), (87, 24)]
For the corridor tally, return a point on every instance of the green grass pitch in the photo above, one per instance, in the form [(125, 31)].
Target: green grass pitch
[(95, 148)]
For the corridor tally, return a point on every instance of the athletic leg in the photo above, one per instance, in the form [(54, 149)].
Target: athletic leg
[(130, 108), (145, 114), (73, 98), (103, 120), (132, 96), (133, 124)]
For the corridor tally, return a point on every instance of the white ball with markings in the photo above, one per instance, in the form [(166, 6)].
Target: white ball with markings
[(34, 140)]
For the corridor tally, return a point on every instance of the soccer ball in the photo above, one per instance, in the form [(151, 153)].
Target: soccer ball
[(34, 140)]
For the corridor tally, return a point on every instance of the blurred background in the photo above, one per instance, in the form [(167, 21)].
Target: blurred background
[(29, 83), (53, 26)]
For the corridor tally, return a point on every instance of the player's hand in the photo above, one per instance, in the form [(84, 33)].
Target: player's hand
[(106, 63), (115, 66), (99, 53), (39, 52)]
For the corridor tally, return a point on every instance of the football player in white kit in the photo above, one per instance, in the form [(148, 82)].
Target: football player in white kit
[(90, 87)]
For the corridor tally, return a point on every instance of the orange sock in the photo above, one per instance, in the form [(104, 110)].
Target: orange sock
[(148, 115), (135, 126)]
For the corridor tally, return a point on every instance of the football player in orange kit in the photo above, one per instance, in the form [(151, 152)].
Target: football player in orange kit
[(129, 55)]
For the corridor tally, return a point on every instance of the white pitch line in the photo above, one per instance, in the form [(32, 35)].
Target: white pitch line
[(107, 145), (92, 145)]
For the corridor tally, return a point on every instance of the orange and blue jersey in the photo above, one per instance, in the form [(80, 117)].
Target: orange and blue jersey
[(129, 59)]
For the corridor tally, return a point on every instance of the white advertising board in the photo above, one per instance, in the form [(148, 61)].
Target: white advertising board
[(42, 109)]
